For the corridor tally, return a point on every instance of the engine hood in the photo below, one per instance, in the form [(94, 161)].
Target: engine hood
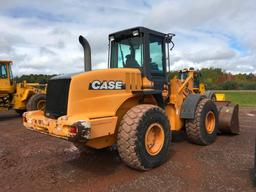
[(99, 93)]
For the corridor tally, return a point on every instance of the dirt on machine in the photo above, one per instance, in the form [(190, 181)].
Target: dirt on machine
[(132, 104), (19, 96)]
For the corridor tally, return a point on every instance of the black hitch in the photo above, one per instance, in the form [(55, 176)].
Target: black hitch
[(83, 132)]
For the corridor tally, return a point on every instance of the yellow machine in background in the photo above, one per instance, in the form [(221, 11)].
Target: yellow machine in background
[(198, 86), (220, 97), (132, 104), (19, 96)]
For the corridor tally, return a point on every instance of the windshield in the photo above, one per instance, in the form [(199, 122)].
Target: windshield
[(127, 53), (10, 71)]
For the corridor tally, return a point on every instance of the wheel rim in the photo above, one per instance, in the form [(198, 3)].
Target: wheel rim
[(154, 139), (41, 105), (210, 122)]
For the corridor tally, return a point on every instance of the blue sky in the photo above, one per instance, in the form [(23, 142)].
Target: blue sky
[(42, 36)]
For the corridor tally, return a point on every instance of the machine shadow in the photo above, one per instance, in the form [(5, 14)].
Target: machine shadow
[(104, 162), (101, 162), (9, 116), (252, 175), (179, 136)]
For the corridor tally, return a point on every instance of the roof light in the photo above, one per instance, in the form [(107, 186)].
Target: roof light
[(112, 38), (135, 33)]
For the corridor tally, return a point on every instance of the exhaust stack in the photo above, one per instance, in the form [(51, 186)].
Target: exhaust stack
[(87, 53)]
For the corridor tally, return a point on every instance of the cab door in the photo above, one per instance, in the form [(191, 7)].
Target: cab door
[(156, 61)]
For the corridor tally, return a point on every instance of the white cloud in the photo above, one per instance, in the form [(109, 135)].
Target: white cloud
[(42, 36), (209, 33)]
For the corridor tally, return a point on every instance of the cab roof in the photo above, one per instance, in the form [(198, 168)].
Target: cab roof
[(129, 31), (5, 61)]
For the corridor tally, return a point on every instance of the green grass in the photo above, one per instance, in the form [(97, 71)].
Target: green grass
[(244, 99)]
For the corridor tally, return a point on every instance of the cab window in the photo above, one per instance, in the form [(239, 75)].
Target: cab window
[(3, 71), (10, 71), (127, 53), (156, 54)]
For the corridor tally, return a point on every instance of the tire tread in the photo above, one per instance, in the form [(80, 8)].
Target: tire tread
[(128, 134)]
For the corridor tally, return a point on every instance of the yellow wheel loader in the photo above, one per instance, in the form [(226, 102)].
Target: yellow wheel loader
[(19, 96), (198, 86), (130, 104)]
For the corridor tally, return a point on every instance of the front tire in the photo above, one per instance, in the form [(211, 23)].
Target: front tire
[(143, 137), (36, 102), (211, 95), (202, 130)]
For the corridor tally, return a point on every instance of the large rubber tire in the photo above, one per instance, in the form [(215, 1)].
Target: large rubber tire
[(132, 132), (196, 128), (211, 95), (36, 101)]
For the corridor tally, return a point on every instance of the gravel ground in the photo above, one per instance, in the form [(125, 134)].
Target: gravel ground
[(30, 161)]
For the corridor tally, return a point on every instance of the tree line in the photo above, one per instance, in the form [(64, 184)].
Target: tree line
[(34, 78), (214, 78), (218, 79)]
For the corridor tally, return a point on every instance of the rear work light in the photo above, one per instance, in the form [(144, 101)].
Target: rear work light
[(80, 131), (73, 130)]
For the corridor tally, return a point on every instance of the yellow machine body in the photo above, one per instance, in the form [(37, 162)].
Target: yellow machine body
[(15, 95), (6, 84), (23, 92), (220, 97), (102, 110), (198, 86), (88, 108)]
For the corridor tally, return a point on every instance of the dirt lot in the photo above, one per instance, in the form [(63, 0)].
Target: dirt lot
[(31, 161)]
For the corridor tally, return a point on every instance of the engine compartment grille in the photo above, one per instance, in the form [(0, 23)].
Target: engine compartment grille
[(57, 97)]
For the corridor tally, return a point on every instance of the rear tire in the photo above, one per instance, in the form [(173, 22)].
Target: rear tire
[(36, 102), (202, 130), (143, 137)]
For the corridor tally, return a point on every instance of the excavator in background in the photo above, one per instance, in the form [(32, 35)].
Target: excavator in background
[(132, 103), (198, 85), (19, 96)]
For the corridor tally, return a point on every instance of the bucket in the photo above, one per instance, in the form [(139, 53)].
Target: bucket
[(228, 117)]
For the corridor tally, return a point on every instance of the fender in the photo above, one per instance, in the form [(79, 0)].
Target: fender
[(26, 94), (209, 94), (188, 107)]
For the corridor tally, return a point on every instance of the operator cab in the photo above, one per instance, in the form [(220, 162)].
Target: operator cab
[(141, 48), (6, 78), (5, 69)]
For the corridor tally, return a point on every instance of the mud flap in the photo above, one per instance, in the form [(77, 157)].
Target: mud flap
[(228, 117)]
